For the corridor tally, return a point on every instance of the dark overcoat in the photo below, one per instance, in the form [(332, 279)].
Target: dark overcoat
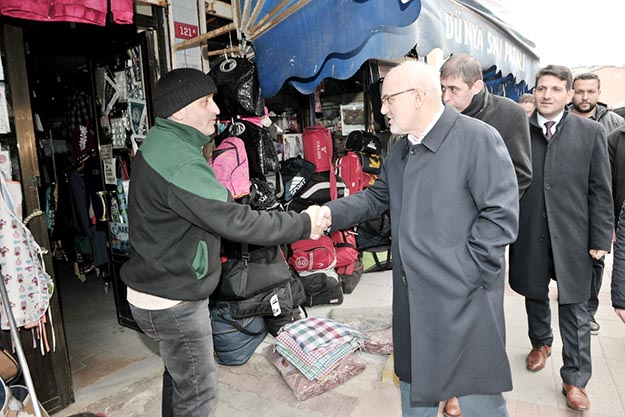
[(454, 207), (568, 207)]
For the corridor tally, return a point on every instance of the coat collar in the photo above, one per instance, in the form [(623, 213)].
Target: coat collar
[(439, 132)]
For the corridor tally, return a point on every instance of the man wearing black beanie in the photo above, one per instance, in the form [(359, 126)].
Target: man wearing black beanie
[(177, 213)]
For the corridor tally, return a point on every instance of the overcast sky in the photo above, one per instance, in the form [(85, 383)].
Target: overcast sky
[(569, 32)]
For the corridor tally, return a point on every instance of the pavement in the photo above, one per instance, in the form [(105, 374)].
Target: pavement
[(256, 388)]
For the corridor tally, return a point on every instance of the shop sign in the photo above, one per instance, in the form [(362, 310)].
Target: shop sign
[(185, 31)]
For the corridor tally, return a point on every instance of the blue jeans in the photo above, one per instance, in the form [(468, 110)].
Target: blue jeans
[(471, 405), (185, 341)]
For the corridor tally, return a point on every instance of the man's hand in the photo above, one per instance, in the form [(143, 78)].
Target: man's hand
[(324, 218), (620, 313), (318, 222), (597, 253)]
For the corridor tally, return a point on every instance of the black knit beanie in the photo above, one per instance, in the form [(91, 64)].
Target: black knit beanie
[(180, 87)]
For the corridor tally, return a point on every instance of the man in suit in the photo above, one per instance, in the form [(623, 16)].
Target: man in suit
[(450, 185), (587, 92), (565, 223), (464, 90)]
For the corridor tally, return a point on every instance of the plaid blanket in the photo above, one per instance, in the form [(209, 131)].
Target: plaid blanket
[(319, 332), (318, 363)]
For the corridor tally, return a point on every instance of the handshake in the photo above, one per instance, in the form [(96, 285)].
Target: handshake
[(320, 220)]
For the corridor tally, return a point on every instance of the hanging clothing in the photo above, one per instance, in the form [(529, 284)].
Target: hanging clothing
[(93, 12)]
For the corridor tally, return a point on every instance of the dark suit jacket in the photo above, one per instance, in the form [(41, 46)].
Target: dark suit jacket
[(567, 209)]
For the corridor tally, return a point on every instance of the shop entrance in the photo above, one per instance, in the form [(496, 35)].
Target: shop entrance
[(90, 98)]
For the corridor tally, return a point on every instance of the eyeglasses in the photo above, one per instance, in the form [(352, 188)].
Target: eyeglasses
[(387, 99)]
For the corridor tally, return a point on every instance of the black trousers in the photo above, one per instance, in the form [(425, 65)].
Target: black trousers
[(575, 332), (597, 280)]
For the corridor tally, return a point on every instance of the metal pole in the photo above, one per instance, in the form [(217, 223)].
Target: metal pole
[(18, 347)]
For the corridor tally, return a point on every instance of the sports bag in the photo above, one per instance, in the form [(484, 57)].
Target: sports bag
[(296, 174), (345, 246), (229, 161), (309, 255), (322, 287), (251, 270), (235, 340), (318, 191), (317, 141), (239, 87)]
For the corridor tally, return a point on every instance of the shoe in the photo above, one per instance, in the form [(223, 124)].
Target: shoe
[(594, 326), (576, 397), (452, 408), (537, 358)]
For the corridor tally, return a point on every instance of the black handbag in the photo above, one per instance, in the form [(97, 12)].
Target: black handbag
[(249, 272)]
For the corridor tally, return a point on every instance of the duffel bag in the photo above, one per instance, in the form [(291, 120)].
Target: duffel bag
[(235, 340), (322, 287), (250, 271)]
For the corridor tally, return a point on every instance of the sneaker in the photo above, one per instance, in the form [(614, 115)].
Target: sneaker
[(594, 326)]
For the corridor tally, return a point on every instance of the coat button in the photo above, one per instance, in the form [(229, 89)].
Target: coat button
[(547, 187), (541, 239), (404, 280), (544, 215), (413, 151)]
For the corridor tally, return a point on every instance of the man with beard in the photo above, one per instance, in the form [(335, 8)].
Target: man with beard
[(587, 91), (565, 221)]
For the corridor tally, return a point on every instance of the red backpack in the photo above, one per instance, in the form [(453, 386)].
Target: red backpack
[(318, 145), (350, 168), (229, 161)]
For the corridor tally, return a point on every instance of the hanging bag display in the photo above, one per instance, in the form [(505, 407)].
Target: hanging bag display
[(239, 89)]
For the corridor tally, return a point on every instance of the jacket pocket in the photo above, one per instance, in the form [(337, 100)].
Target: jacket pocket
[(469, 266), (200, 261)]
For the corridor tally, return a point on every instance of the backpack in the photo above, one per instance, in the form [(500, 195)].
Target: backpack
[(309, 255), (229, 161), (361, 141), (318, 146), (296, 174), (349, 168), (346, 252)]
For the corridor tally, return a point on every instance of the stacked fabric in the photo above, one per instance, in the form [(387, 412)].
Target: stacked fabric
[(316, 345)]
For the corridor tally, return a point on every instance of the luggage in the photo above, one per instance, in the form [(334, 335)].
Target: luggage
[(235, 340), (322, 287), (251, 270)]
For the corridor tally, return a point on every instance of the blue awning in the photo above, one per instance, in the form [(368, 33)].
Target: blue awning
[(310, 40), (465, 26), (304, 41)]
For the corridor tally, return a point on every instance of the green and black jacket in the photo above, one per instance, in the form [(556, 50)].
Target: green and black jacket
[(178, 211)]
